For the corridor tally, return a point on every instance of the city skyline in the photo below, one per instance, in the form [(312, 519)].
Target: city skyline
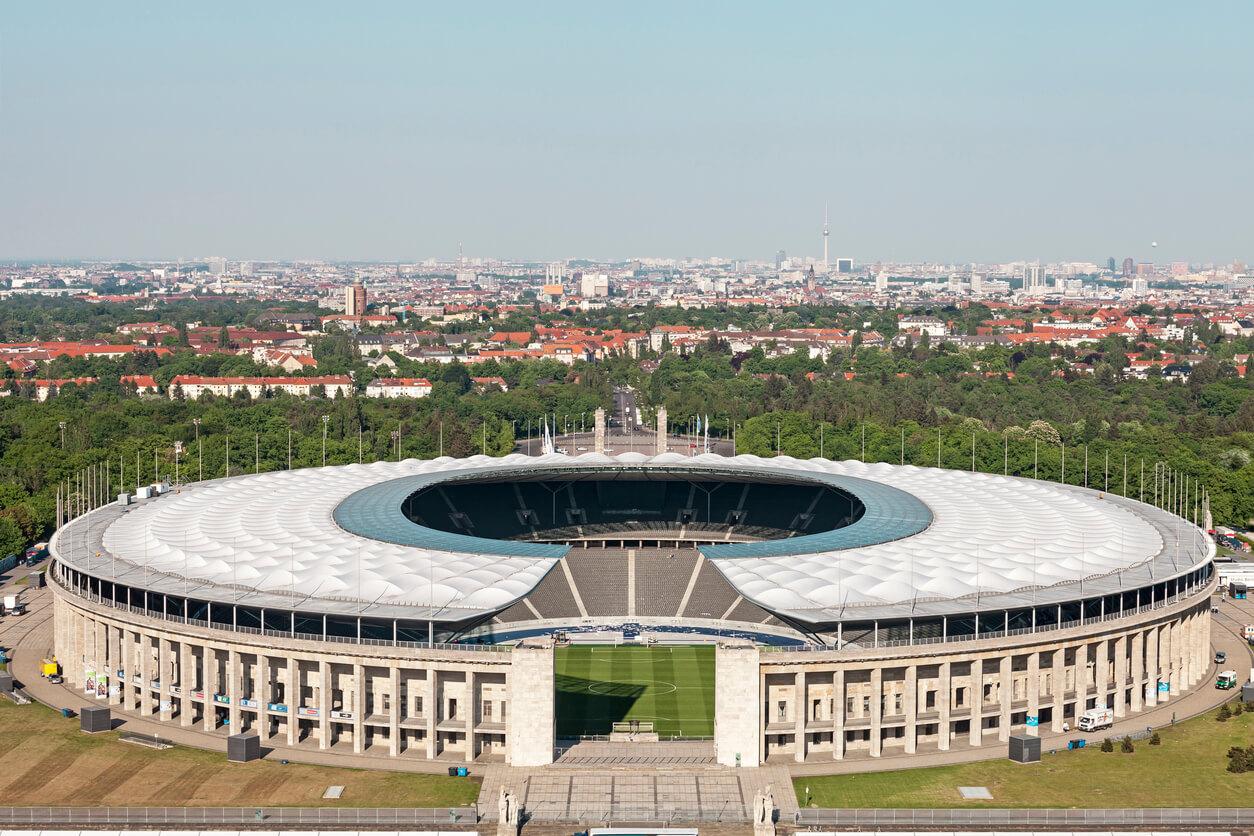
[(400, 134)]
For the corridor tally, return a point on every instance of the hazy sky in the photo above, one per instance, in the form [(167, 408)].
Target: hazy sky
[(950, 131)]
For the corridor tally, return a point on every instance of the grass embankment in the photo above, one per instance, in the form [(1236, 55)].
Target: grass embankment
[(49, 762), (1189, 769)]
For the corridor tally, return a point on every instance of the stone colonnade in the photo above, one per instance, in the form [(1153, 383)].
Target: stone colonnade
[(429, 703), (834, 705)]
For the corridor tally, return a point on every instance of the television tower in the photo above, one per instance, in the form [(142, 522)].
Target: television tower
[(826, 232)]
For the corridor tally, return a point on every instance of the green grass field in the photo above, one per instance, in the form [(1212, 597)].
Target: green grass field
[(1189, 769), (48, 761), (671, 686)]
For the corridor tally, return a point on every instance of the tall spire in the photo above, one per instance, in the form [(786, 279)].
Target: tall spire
[(826, 232)]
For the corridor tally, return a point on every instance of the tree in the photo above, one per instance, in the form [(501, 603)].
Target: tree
[(12, 541)]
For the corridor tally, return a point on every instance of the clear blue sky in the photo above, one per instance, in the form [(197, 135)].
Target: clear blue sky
[(950, 131)]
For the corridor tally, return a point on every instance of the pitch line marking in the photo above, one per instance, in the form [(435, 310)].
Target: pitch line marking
[(592, 687)]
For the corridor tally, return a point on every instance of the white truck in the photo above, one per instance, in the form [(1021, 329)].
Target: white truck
[(1096, 718)]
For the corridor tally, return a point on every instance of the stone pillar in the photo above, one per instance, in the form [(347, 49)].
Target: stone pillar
[(530, 687), (1034, 691), (1121, 676), (359, 708), (432, 707), (1151, 667), (976, 734), (1174, 636), (394, 710), (910, 699), (117, 660), (838, 714), (324, 704), (877, 710), (234, 690), (165, 677), (1058, 688), (661, 431), (1204, 639), (291, 700), (1005, 693), (944, 697), (472, 715), (264, 693), (598, 430), (800, 707), (1101, 673), (1137, 661), (1195, 648), (209, 686), (100, 643), (130, 699), (1081, 679), (186, 683)]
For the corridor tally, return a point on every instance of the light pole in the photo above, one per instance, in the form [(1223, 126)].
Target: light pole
[(200, 452), (326, 419), (61, 425), (396, 437), (178, 450)]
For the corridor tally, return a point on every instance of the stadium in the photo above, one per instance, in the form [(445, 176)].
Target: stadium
[(503, 609)]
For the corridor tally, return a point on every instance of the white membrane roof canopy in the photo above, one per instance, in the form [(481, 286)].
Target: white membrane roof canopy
[(967, 541)]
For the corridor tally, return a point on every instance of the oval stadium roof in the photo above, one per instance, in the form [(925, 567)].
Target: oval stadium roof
[(333, 539)]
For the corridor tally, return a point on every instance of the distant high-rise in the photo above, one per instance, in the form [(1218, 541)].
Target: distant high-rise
[(355, 299), (780, 258), (593, 285), (844, 265), (881, 282), (977, 283), (1033, 276), (217, 265), (1129, 266), (826, 232)]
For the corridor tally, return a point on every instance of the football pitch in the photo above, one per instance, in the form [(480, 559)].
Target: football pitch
[(598, 685)]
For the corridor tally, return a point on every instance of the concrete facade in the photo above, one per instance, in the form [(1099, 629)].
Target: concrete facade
[(471, 703), (737, 724), (820, 705), (435, 703)]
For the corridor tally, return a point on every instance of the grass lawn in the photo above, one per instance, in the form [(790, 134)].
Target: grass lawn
[(1189, 769), (48, 761), (671, 686)]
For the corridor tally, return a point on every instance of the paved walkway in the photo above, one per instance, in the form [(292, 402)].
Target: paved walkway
[(669, 753), (657, 794), (1225, 636)]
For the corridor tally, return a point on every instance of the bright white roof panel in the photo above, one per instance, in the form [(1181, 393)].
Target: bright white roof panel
[(273, 540)]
